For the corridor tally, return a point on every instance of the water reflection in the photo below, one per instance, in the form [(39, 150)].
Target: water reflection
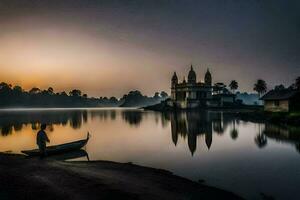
[(191, 125), (289, 135), (14, 121), (172, 141), (184, 125), (134, 118)]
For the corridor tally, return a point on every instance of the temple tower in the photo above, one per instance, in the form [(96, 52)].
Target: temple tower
[(192, 78), (174, 82), (207, 78)]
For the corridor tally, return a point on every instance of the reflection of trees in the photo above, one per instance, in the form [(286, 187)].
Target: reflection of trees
[(220, 121), (76, 119), (285, 134), (103, 114), (298, 147), (132, 117), (6, 130), (165, 118), (234, 132), (113, 115), (15, 120), (261, 140)]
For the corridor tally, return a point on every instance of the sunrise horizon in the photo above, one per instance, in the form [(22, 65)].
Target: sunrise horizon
[(109, 49)]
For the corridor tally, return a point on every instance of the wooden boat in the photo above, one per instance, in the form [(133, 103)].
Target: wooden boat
[(58, 149)]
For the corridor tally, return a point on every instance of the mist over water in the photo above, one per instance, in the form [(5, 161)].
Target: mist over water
[(217, 148)]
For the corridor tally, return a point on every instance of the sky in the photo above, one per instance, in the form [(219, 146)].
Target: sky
[(107, 48)]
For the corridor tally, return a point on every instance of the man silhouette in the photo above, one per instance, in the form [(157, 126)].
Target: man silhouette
[(41, 140)]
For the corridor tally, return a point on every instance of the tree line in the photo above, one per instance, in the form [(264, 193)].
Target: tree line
[(16, 96), (260, 86)]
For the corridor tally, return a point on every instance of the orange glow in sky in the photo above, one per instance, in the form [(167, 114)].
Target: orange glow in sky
[(108, 49)]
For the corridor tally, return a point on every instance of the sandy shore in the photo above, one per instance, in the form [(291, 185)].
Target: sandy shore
[(32, 178)]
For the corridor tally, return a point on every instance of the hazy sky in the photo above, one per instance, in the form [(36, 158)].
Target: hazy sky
[(109, 47)]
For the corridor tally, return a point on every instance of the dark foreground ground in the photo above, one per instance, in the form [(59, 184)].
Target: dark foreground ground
[(32, 178)]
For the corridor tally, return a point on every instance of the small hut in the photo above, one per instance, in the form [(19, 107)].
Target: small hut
[(282, 100)]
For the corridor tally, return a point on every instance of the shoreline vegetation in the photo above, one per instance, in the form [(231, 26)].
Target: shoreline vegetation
[(253, 113), (32, 178), (16, 96)]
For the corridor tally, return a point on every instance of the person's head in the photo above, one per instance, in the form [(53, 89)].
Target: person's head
[(43, 126)]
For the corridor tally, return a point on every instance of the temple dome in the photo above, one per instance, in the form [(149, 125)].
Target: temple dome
[(192, 78)]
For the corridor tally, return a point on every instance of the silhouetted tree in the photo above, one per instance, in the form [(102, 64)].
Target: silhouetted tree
[(17, 89), (6, 86), (34, 90), (219, 88), (279, 87), (16, 96), (260, 87), (113, 100), (75, 93), (233, 85), (164, 95), (156, 95), (297, 83), (50, 91), (63, 94)]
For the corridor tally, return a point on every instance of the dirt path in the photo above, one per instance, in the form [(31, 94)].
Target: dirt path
[(23, 178)]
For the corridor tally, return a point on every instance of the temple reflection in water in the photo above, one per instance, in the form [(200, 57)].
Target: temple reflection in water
[(191, 125)]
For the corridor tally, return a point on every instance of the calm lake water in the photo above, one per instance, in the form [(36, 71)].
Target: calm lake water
[(249, 159)]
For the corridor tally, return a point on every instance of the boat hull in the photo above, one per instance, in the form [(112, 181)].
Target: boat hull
[(59, 149)]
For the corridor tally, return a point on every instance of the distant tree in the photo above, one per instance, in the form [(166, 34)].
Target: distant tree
[(63, 94), (17, 89), (34, 90), (50, 90), (279, 87), (219, 88), (297, 83), (260, 87), (5, 86), (124, 97), (233, 85), (75, 93), (85, 96), (164, 95), (113, 100), (156, 95)]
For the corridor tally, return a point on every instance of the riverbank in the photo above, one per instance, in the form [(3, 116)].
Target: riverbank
[(164, 107), (245, 112), (291, 119), (32, 178)]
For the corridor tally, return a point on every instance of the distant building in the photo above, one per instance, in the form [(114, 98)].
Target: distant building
[(192, 94), (282, 100)]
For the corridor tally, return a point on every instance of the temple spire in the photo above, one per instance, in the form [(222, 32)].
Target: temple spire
[(192, 78)]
